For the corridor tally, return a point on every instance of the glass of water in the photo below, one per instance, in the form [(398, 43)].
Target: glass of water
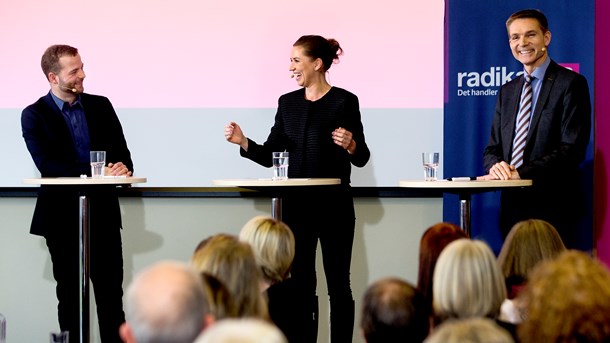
[(280, 165), (98, 160), (430, 161), (61, 337)]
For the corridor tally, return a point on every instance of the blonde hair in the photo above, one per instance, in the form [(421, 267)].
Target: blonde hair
[(467, 281), (233, 263), (471, 330), (528, 242), (568, 301), (219, 297), (273, 245)]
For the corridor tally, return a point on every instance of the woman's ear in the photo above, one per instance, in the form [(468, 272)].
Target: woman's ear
[(318, 64)]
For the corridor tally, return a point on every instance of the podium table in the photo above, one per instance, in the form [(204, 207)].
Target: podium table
[(465, 190), (276, 187), (83, 214)]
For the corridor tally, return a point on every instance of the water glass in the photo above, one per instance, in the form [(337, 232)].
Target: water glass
[(98, 160), (430, 161), (280, 165), (61, 337)]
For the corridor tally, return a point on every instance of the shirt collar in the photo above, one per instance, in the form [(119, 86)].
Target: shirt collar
[(60, 103), (540, 71)]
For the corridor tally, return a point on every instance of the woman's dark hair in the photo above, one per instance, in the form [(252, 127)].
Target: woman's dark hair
[(432, 242), (328, 50)]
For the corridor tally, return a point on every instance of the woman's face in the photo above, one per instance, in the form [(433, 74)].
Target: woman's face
[(303, 67)]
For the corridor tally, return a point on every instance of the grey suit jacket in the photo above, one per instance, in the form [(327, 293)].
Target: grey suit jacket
[(559, 132)]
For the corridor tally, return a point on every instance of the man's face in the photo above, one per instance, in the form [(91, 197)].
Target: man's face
[(528, 43), (71, 74)]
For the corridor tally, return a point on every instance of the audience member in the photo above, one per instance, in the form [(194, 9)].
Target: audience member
[(432, 242), (528, 243), (273, 244), (242, 330), (220, 298), (233, 263), (471, 330), (165, 303), (467, 281), (568, 301), (394, 311)]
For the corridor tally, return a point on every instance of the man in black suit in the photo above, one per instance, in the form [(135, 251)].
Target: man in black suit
[(555, 131), (59, 130)]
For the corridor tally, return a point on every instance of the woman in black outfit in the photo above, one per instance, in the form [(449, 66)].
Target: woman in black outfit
[(320, 126)]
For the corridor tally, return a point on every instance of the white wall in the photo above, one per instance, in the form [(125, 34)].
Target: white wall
[(186, 147), (386, 243)]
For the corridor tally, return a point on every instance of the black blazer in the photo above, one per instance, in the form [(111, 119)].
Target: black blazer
[(559, 132), (49, 142), (304, 128)]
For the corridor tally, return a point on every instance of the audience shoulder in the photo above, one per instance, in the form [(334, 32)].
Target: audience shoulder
[(242, 330), (471, 330)]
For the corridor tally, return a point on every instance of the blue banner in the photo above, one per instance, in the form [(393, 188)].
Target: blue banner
[(478, 60)]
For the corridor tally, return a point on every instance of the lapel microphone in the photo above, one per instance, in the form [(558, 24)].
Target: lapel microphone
[(73, 90)]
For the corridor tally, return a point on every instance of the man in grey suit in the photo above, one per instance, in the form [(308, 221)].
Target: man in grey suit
[(540, 131)]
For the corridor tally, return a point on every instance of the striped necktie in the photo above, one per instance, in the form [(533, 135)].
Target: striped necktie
[(523, 122)]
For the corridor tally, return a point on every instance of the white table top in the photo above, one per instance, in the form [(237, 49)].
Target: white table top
[(464, 184), (107, 180), (272, 183)]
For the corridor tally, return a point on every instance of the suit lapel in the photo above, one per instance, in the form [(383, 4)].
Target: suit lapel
[(545, 90), (513, 97)]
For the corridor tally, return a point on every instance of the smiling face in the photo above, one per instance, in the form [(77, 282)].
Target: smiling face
[(304, 68), (528, 42), (70, 76)]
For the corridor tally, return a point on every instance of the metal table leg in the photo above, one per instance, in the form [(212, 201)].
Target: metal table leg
[(84, 268), (465, 213), (276, 208)]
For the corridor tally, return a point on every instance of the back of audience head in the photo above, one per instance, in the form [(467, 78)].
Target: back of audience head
[(394, 311), (528, 243), (568, 301), (470, 330), (432, 242), (165, 303), (467, 281), (219, 297), (233, 263), (242, 330), (273, 245)]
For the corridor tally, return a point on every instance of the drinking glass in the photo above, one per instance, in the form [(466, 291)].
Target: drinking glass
[(98, 160), (280, 165), (430, 161)]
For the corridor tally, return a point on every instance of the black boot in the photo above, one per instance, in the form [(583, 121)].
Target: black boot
[(341, 321), (297, 318)]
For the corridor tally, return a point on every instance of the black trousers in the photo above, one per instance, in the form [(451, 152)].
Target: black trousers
[(561, 206), (106, 275), (329, 218)]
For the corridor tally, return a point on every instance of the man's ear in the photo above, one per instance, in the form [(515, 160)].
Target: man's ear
[(208, 320), (547, 38), (126, 334)]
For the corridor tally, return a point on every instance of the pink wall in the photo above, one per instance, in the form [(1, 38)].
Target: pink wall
[(224, 54), (602, 129)]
